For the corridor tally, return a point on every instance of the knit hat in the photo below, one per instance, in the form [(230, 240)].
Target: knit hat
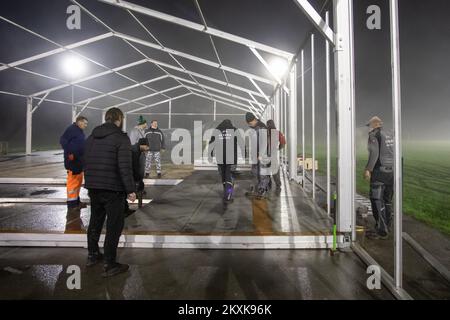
[(141, 120), (374, 119), (249, 117)]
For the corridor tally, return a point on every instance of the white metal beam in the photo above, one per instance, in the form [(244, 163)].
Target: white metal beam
[(266, 65), (198, 75), (74, 52), (229, 103), (193, 58), (56, 51), (313, 117), (160, 102), (344, 79), (293, 163), (94, 76), (47, 100), (146, 97), (219, 91), (396, 110), (259, 89), (198, 27), (39, 103), (82, 109), (316, 20), (123, 89), (29, 125)]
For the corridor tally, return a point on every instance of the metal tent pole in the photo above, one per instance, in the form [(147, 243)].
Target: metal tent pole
[(344, 80), (328, 103), (313, 119), (396, 102), (29, 124), (170, 114), (303, 117), (293, 123)]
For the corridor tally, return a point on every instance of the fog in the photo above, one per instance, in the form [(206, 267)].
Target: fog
[(425, 66)]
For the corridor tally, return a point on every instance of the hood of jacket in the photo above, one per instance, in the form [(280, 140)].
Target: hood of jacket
[(105, 130)]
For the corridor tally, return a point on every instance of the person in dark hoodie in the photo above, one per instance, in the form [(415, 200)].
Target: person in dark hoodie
[(109, 180), (258, 139), (72, 142), (225, 149)]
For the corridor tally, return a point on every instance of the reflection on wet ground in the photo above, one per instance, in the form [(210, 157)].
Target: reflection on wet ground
[(41, 273)]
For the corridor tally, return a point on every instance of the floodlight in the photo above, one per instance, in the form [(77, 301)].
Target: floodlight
[(278, 67), (73, 66)]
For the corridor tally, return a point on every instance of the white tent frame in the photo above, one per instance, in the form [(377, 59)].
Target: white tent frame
[(280, 105)]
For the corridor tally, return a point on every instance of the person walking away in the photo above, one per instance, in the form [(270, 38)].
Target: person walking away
[(379, 171), (73, 142), (157, 144), (226, 156), (138, 150), (138, 132), (109, 180), (281, 144), (257, 139)]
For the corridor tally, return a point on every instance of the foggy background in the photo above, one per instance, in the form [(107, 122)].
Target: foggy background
[(425, 52)]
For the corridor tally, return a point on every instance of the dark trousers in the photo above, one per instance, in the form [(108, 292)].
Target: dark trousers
[(109, 205), (225, 173), (381, 193), (276, 178)]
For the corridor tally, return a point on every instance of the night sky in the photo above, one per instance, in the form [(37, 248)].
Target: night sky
[(425, 48)]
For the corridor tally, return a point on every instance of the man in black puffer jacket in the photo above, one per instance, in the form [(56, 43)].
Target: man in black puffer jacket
[(109, 179)]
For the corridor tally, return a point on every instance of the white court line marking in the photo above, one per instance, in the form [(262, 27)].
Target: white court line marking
[(289, 219), (62, 181), (52, 200)]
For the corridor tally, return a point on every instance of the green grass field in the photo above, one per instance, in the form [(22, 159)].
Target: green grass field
[(426, 180)]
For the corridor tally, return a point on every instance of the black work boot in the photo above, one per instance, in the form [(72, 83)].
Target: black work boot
[(93, 259), (116, 268)]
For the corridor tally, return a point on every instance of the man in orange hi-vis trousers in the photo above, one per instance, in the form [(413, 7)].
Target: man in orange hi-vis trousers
[(72, 141)]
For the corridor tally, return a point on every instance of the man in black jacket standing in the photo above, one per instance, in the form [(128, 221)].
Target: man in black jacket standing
[(109, 179)]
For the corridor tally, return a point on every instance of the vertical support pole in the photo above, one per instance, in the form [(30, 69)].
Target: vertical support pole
[(170, 114), (103, 116), (286, 129), (286, 124), (328, 106), (29, 124), (215, 110), (396, 102), (344, 79), (303, 117), (293, 163), (280, 120), (276, 116), (74, 108), (124, 125), (313, 119)]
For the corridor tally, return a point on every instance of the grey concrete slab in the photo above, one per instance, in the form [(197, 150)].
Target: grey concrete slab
[(188, 274), (193, 206)]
